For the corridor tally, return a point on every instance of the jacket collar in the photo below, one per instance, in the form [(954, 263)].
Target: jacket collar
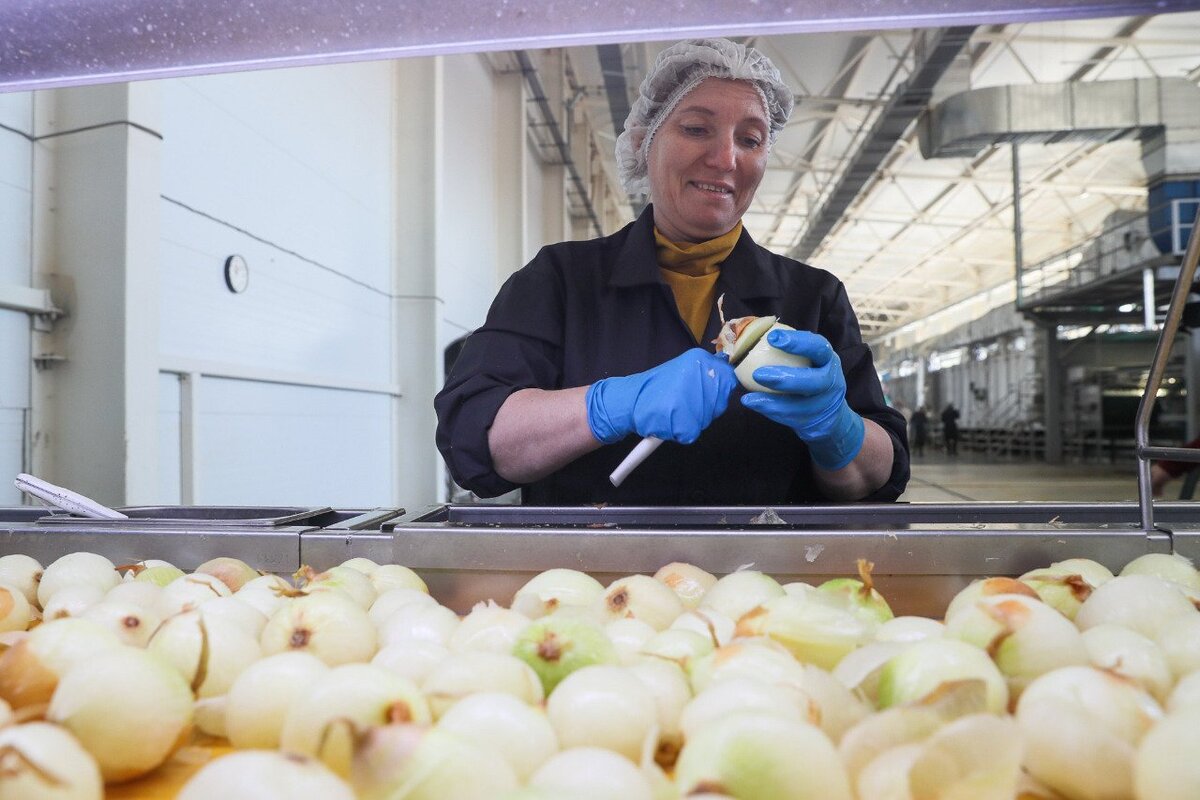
[(746, 274)]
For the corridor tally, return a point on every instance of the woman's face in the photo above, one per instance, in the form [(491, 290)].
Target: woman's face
[(707, 159)]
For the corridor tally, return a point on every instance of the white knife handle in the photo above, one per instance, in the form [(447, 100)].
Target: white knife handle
[(636, 456), (65, 499)]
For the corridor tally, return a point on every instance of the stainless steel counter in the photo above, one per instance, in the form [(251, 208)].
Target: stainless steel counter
[(923, 553)]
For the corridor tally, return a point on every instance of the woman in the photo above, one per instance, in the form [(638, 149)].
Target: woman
[(595, 344)]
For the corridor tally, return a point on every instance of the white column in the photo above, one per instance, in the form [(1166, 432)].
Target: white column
[(97, 237), (419, 119), (511, 203)]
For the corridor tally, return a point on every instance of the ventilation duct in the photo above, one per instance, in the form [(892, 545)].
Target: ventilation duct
[(1163, 113)]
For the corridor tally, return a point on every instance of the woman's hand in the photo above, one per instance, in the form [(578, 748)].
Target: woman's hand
[(674, 401), (813, 399)]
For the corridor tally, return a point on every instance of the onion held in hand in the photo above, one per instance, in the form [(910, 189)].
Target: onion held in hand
[(745, 340)]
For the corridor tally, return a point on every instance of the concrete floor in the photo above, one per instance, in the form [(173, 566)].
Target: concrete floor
[(939, 478)]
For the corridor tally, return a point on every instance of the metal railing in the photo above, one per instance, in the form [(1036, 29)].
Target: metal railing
[(1162, 352)]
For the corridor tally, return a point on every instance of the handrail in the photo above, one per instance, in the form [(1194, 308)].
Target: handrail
[(1162, 351)]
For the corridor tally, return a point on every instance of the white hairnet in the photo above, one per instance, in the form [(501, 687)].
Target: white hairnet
[(679, 69)]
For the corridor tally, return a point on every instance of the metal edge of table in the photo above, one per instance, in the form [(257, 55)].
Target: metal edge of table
[(271, 550), (858, 515), (959, 551)]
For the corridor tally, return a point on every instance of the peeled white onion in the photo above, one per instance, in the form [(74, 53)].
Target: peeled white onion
[(364, 565), (76, 569), (30, 670), (140, 593), (1065, 585), (557, 646), (1142, 603), (554, 588), (127, 708), (488, 627), (640, 597), (15, 611), (208, 653), (1168, 566), (814, 632), (1024, 636), (707, 622), (133, 624), (591, 773), (926, 666), (988, 587), (511, 727), (688, 581), (1081, 727), (160, 574), (603, 706), (860, 670), (1131, 655), (628, 636), (1165, 766), (761, 755), (760, 658), (745, 694), (233, 572), (267, 593), (72, 601), (324, 721), (671, 691), (23, 572), (45, 762), (977, 757), (740, 592), (390, 601), (413, 621), (1179, 639), (236, 610), (411, 658), (262, 694), (415, 763), (909, 629), (467, 672), (394, 576), (357, 586), (264, 775), (1186, 693), (190, 591), (679, 646), (331, 627)]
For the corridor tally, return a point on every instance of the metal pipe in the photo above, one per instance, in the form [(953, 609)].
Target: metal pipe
[(1018, 230), (1166, 337), (539, 96), (1148, 305)]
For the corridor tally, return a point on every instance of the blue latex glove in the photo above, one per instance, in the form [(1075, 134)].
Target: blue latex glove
[(674, 401), (813, 403)]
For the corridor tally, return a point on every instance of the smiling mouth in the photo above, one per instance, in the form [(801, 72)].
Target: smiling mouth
[(713, 189)]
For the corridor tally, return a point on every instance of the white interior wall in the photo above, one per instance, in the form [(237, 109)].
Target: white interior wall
[(291, 169), (379, 207), (16, 190)]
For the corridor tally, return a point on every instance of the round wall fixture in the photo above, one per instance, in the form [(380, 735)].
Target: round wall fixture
[(237, 274)]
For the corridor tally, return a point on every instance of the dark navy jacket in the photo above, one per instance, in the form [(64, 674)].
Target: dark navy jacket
[(582, 311)]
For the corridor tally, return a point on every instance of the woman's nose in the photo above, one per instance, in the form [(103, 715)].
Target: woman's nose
[(722, 153)]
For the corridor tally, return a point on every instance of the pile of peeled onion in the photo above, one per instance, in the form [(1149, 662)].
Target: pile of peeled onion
[(1066, 683)]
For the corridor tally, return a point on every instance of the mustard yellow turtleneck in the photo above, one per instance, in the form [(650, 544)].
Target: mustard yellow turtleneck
[(691, 270)]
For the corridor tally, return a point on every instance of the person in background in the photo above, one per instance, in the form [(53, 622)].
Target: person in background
[(596, 343), (950, 429), (1163, 472), (920, 430)]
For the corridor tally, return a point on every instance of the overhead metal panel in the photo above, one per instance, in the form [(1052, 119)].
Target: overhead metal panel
[(48, 43)]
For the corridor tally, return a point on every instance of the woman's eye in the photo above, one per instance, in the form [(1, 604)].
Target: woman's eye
[(693, 130), (752, 142)]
